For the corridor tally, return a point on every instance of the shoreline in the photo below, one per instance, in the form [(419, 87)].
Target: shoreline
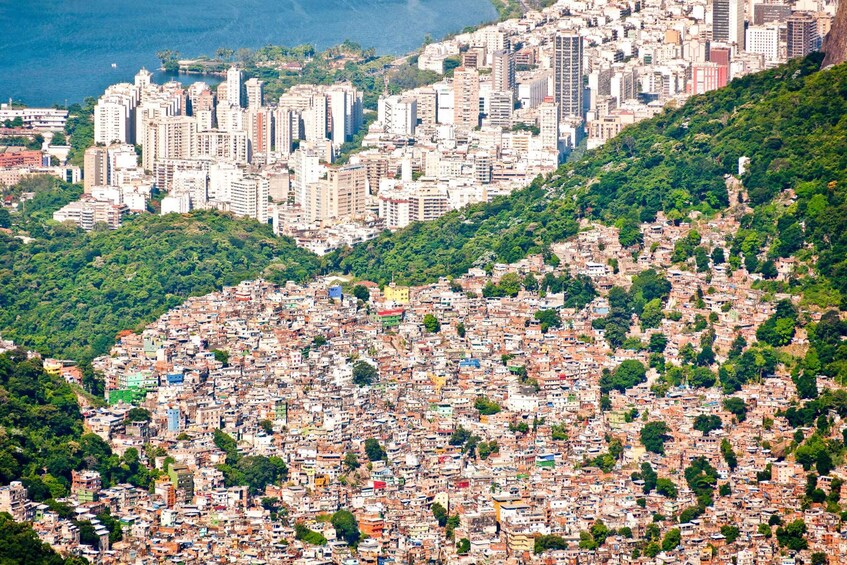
[(397, 59), (66, 103)]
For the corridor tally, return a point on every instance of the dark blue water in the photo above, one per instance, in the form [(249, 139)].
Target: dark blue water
[(53, 51)]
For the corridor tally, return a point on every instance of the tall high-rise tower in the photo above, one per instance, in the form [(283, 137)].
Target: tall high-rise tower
[(802, 35), (466, 90), (255, 90), (95, 168), (233, 86), (728, 22), (568, 74), (503, 70), (548, 122)]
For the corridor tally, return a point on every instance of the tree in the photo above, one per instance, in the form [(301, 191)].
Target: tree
[(768, 269), (729, 454), (460, 330), (549, 319), (702, 377), (558, 432), (648, 475), (706, 424), (807, 385), (510, 284), (737, 407), (431, 324), (138, 415), (346, 527), (820, 558), (652, 549), (463, 546), (452, 523), (440, 513), (658, 342), (176, 257), (701, 258), (364, 373), (701, 477), (626, 375), (629, 232), (706, 358), (486, 407), (301, 532), (351, 461), (485, 449), (652, 315), (666, 487), (792, 535), (779, 329), (730, 532), (256, 472), (221, 356), (225, 443), (374, 450), (672, 539), (5, 218), (654, 435), (20, 544), (362, 293)]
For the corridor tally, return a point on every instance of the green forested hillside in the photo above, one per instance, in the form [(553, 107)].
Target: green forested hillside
[(38, 415), (68, 293), (19, 544), (791, 122)]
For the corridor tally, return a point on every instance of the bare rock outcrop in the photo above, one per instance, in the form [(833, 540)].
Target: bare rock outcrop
[(835, 42)]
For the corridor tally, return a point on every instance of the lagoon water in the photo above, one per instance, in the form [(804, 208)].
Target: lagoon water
[(58, 51)]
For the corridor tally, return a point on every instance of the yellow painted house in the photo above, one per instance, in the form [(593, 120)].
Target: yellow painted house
[(396, 294)]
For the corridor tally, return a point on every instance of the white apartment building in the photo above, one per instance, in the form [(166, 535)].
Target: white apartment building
[(398, 115), (249, 198)]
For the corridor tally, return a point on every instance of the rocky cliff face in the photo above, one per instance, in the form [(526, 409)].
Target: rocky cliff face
[(835, 43)]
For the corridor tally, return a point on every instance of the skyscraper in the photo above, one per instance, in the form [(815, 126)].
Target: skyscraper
[(349, 189), (95, 168), (802, 35), (255, 89), (503, 70), (233, 86), (344, 112), (307, 169), (171, 137), (258, 122), (728, 22), (114, 117), (285, 122), (763, 40), (249, 198), (500, 106), (548, 122), (466, 90), (568, 74), (398, 114), (705, 77)]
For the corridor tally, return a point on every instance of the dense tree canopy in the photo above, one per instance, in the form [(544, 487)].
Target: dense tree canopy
[(70, 293), (626, 375)]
